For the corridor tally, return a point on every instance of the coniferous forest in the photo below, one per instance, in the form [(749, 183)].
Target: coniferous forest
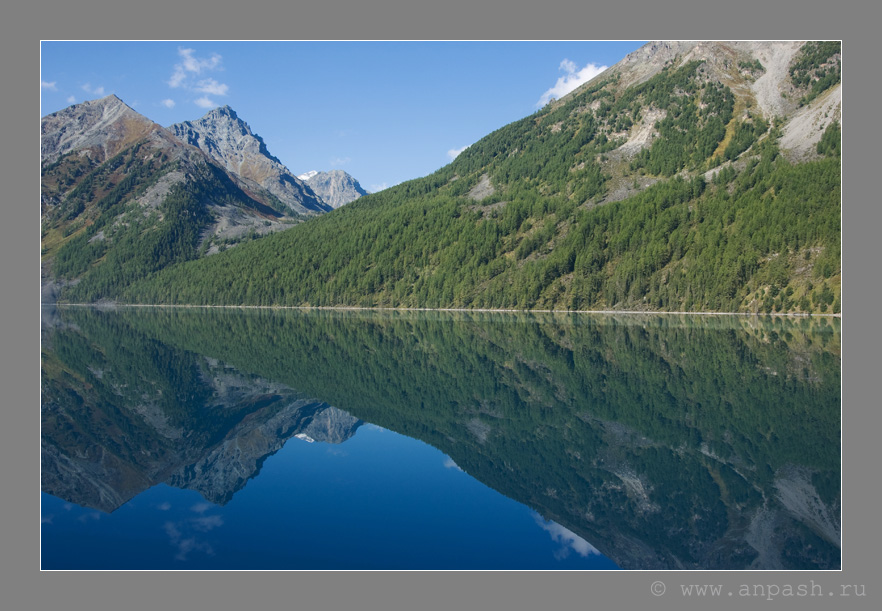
[(550, 212)]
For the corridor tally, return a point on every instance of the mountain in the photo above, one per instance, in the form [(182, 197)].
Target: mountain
[(307, 175), (122, 197), (673, 442), (98, 129), (158, 414), (336, 187), (688, 177), (229, 140)]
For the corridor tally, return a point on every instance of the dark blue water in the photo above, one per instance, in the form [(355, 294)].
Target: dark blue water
[(378, 501), (224, 439)]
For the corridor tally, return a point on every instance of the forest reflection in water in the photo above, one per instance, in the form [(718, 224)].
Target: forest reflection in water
[(661, 441)]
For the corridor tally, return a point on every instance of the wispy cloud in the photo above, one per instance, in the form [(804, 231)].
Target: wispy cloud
[(211, 87), (71, 99), (168, 103), (205, 102), (454, 153), (94, 516), (448, 462), (164, 506), (187, 72), (567, 539), (183, 535), (191, 65), (185, 545), (379, 187), (340, 161), (50, 86), (572, 78), (206, 523), (93, 90)]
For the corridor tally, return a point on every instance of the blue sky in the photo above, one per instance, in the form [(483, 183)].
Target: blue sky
[(385, 112)]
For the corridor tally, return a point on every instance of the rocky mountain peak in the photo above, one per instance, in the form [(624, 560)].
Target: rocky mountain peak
[(100, 127), (230, 141), (335, 187)]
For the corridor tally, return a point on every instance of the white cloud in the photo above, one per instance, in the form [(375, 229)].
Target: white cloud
[(204, 102), (184, 76), (207, 523), (448, 462), (50, 86), (379, 187), (195, 64), (177, 77), (168, 103), (93, 90), (164, 506), (201, 507), (95, 516), (340, 161), (454, 153), (185, 545), (572, 78), (567, 538), (211, 87), (71, 99)]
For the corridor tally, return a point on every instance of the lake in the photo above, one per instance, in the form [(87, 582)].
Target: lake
[(176, 438)]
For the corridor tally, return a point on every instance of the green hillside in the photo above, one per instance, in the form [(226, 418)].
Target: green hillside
[(100, 239), (516, 220)]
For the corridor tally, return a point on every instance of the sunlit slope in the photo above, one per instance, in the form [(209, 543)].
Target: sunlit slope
[(666, 193)]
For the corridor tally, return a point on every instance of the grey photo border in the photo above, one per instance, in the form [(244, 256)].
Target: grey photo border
[(24, 586)]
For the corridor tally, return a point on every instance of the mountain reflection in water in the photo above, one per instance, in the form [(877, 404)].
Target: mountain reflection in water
[(659, 441)]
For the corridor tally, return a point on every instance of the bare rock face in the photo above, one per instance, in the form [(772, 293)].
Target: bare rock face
[(332, 425), (336, 188), (99, 128), (230, 141), (226, 468), (768, 92)]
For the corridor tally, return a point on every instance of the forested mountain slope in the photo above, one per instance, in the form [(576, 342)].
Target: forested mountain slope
[(122, 197), (690, 176)]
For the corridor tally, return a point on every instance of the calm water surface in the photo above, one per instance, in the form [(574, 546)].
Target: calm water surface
[(228, 439)]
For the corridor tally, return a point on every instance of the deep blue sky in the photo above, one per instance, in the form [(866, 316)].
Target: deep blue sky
[(383, 111)]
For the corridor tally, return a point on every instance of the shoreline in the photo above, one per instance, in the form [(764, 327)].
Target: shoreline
[(406, 309)]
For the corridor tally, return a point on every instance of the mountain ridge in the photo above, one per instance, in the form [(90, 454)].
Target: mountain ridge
[(229, 140), (662, 184), (122, 196), (669, 182), (335, 187)]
